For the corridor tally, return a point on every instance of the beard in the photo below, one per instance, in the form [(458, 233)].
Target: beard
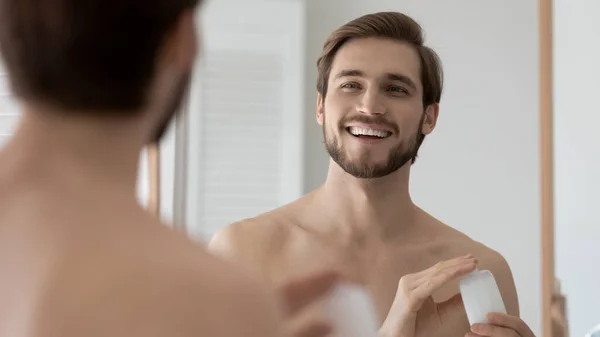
[(173, 108), (398, 156)]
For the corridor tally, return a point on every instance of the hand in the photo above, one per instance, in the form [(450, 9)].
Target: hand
[(301, 297), (414, 312), (501, 325)]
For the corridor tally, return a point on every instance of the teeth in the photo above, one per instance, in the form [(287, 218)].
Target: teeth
[(368, 132)]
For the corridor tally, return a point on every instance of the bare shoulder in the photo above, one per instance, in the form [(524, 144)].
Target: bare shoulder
[(254, 241), (187, 294), (489, 259), (496, 263), (455, 243)]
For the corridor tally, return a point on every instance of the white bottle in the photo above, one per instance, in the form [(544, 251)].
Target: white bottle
[(481, 296), (351, 312)]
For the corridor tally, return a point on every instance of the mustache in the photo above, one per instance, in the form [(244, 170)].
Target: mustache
[(376, 119)]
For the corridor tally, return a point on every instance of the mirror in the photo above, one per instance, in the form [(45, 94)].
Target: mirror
[(250, 143), (254, 144), (576, 165)]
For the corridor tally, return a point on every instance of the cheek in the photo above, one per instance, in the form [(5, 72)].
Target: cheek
[(336, 108), (410, 124), (330, 121)]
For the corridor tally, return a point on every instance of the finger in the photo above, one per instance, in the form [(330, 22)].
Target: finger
[(440, 278), (511, 322), (301, 292), (489, 330), (472, 334), (444, 265)]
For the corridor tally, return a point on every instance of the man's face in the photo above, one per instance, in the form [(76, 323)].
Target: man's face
[(373, 115)]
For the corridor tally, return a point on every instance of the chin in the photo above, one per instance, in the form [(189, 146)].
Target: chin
[(367, 164), (368, 157)]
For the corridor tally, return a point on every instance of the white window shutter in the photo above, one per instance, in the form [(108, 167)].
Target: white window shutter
[(246, 112)]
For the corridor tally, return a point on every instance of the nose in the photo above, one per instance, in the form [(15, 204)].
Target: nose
[(371, 103)]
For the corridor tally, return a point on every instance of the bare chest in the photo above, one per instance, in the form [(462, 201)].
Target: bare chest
[(378, 268)]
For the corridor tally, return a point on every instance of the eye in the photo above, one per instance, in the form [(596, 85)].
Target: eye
[(350, 86), (397, 89)]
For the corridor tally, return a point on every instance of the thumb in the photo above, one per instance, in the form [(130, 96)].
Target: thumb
[(452, 308)]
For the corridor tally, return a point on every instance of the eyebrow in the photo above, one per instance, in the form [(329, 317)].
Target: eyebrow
[(390, 76)]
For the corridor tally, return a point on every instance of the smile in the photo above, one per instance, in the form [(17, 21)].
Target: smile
[(365, 132)]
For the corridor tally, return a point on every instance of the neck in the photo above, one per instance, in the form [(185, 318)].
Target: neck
[(380, 206), (99, 153)]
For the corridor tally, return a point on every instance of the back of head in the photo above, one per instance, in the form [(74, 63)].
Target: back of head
[(85, 55), (392, 25)]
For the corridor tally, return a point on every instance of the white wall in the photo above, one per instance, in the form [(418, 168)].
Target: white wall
[(479, 170), (577, 159)]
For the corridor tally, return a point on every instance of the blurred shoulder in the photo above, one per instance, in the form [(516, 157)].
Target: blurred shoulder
[(255, 240)]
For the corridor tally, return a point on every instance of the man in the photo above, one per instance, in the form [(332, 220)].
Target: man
[(98, 80), (379, 89)]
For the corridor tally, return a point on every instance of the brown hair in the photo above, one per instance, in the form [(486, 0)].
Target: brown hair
[(392, 25), (85, 55)]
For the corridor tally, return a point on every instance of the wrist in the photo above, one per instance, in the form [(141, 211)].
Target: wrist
[(404, 327), (386, 331), (383, 333)]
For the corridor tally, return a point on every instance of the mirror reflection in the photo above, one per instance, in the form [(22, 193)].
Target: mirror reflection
[(371, 157), (392, 146)]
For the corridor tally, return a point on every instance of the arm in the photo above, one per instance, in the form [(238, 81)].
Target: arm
[(501, 325), (496, 263)]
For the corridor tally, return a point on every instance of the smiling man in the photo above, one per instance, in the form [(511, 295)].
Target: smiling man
[(379, 89)]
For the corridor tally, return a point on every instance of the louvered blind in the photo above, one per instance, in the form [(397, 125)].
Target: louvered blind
[(246, 112), (9, 111), (242, 134)]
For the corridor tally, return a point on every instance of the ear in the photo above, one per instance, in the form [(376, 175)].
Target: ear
[(182, 44), (430, 119), (320, 109)]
